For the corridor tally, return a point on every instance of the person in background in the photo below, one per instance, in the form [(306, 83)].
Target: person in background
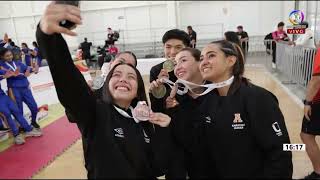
[(36, 54), (9, 108), (232, 37), (110, 39), (193, 37), (244, 39), (311, 120), (18, 85), (6, 40), (16, 51), (85, 47), (278, 36), (113, 50), (27, 54)]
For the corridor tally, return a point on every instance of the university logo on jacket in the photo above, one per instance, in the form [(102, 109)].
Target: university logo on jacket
[(238, 122)]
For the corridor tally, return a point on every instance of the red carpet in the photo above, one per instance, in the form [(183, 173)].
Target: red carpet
[(22, 162)]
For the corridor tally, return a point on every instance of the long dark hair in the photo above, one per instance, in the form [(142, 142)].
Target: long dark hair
[(35, 44), (196, 53), (141, 93), (25, 44), (232, 49), (232, 37)]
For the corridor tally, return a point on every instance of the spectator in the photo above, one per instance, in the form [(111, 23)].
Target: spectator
[(85, 47), (278, 35), (19, 85), (27, 54), (8, 108), (110, 39), (232, 37), (36, 54), (307, 39), (193, 37), (244, 38), (113, 50), (6, 40), (16, 51)]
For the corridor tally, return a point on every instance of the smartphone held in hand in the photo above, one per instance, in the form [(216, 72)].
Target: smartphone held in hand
[(66, 23)]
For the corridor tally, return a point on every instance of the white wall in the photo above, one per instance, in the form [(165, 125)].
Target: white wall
[(257, 17), (148, 20)]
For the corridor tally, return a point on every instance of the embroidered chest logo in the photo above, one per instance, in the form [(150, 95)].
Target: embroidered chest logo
[(238, 122), (208, 119), (119, 132), (277, 129), (146, 137)]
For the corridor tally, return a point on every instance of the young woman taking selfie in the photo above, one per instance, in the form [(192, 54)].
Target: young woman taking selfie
[(118, 145)]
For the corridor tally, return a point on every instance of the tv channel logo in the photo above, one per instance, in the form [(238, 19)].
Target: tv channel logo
[(296, 17)]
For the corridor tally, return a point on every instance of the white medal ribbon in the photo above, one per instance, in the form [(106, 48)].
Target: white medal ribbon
[(125, 114), (14, 67), (185, 86), (139, 109), (171, 84), (209, 87)]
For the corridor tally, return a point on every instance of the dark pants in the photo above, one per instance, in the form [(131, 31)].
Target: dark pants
[(274, 48)]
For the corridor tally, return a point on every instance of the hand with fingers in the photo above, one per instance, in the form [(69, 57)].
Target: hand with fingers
[(8, 74), (171, 101), (155, 84), (16, 72), (160, 119), (307, 112), (27, 73), (54, 14)]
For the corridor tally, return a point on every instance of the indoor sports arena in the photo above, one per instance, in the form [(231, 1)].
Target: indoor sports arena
[(159, 89)]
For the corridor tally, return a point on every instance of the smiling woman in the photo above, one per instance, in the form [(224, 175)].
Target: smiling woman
[(117, 144), (246, 116)]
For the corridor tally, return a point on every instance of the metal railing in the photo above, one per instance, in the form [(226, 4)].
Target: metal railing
[(296, 62)]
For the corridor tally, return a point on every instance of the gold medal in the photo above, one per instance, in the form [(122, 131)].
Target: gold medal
[(159, 92), (168, 65)]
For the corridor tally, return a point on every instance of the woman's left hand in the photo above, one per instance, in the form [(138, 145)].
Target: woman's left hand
[(27, 73), (160, 119)]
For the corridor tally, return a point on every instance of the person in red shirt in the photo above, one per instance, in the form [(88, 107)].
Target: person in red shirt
[(279, 35), (113, 50), (311, 121)]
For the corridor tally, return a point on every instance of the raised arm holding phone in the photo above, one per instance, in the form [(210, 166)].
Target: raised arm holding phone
[(119, 145)]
